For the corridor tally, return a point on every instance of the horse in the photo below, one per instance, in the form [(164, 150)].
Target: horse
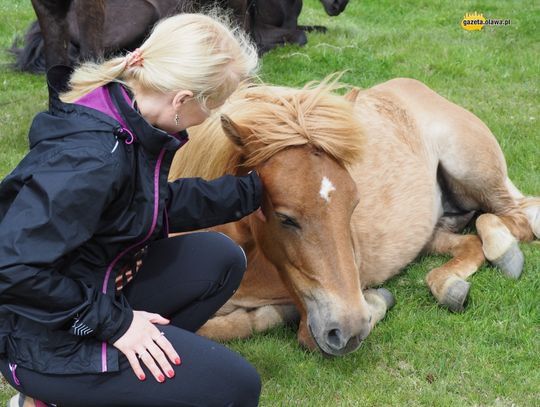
[(88, 30), (68, 31), (275, 22), (356, 187), (52, 18)]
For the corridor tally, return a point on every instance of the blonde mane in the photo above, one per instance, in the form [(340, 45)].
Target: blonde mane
[(278, 118)]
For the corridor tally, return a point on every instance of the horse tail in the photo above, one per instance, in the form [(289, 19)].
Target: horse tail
[(30, 58)]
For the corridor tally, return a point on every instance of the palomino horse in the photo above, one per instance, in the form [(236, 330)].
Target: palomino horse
[(356, 187)]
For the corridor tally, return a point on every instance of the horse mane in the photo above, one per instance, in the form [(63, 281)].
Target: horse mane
[(278, 118)]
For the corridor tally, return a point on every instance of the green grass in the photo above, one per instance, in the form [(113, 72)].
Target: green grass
[(420, 354)]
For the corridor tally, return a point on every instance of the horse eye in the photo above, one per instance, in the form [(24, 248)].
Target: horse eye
[(288, 221)]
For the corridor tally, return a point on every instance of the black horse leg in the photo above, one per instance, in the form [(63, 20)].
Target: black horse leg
[(271, 37), (52, 20), (90, 20), (316, 28)]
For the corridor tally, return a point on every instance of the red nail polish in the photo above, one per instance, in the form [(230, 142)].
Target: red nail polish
[(161, 378), (170, 373), (177, 361), (142, 377)]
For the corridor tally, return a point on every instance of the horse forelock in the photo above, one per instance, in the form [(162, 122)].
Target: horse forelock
[(278, 118)]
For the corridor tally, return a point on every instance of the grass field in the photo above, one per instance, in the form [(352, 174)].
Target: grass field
[(420, 355)]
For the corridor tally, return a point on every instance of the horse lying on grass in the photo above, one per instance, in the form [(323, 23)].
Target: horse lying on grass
[(356, 187)]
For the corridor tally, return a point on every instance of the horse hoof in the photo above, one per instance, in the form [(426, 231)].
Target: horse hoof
[(387, 296), (456, 295), (511, 262)]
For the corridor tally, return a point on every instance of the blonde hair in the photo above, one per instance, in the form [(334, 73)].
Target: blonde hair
[(196, 52)]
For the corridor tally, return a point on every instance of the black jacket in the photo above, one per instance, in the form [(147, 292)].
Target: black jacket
[(77, 208)]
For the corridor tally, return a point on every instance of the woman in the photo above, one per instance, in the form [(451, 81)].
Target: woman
[(98, 307)]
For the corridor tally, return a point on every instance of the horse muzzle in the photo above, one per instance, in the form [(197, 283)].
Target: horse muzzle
[(334, 339), (333, 343), (334, 7)]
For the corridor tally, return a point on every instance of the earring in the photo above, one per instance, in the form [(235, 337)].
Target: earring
[(176, 119)]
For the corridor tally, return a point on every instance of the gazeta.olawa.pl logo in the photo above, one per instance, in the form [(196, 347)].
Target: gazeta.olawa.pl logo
[(475, 21)]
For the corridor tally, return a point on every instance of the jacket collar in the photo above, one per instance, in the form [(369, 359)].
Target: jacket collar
[(150, 137)]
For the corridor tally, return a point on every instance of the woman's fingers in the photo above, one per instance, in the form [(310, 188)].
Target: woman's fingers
[(146, 357), (161, 360), (157, 319), (167, 347), (136, 366), (143, 343)]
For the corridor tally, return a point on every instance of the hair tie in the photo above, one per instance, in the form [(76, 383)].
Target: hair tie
[(134, 58)]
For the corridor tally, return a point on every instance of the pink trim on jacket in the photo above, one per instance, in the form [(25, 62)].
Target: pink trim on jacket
[(100, 99)]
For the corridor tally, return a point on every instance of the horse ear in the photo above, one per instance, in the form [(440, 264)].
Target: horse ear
[(233, 131), (352, 94)]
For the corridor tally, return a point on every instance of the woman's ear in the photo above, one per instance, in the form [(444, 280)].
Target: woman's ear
[(180, 98)]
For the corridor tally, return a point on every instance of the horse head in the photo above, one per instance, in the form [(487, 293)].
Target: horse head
[(334, 7), (301, 143)]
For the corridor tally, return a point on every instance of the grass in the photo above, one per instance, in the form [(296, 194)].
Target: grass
[(420, 355)]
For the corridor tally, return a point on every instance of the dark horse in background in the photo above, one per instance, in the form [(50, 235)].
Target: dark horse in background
[(69, 31), (275, 22)]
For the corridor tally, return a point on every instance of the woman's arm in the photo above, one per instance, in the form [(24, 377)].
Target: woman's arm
[(56, 210), (195, 203)]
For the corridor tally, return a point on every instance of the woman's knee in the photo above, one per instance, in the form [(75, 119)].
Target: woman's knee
[(231, 257), (251, 388), (243, 385)]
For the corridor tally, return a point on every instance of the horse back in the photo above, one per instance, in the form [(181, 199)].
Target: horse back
[(400, 199)]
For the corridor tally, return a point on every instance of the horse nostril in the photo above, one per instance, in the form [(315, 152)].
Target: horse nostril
[(334, 338)]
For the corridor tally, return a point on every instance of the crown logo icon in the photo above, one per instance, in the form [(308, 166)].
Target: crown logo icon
[(473, 21)]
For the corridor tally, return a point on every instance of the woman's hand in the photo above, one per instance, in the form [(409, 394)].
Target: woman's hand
[(144, 342)]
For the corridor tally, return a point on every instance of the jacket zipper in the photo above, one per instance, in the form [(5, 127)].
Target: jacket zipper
[(122, 253)]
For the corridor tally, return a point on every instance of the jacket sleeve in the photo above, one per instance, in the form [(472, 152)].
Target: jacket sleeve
[(56, 209), (195, 203)]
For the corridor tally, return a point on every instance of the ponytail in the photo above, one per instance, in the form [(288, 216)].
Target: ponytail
[(194, 52), (92, 75)]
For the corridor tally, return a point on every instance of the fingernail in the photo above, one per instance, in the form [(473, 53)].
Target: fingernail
[(161, 378), (170, 373), (177, 361), (142, 377)]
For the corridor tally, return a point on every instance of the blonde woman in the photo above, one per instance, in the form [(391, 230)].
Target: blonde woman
[(98, 307)]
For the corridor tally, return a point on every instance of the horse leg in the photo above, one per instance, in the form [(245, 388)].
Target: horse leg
[(447, 283), (268, 38), (315, 28), (242, 322), (53, 23), (500, 235), (379, 300), (504, 222), (531, 207), (473, 170), (90, 20)]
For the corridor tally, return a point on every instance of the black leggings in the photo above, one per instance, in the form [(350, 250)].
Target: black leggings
[(186, 279)]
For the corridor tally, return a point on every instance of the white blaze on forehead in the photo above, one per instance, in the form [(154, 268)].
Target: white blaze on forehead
[(326, 188)]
